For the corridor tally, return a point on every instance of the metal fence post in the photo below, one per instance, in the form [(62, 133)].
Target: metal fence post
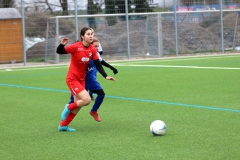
[(221, 22), (23, 33), (176, 28), (160, 45), (57, 40), (127, 26), (46, 40), (76, 19)]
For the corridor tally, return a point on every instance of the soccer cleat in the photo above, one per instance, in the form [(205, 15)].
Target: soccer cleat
[(95, 116), (65, 112), (66, 128)]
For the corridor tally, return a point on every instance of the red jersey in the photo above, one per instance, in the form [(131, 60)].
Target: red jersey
[(80, 58)]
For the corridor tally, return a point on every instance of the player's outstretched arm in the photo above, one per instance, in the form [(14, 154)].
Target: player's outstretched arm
[(101, 70), (104, 63), (60, 48)]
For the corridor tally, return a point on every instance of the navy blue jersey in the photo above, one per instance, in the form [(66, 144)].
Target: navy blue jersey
[(91, 82)]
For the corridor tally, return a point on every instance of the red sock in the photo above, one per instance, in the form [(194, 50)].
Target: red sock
[(72, 106), (68, 119)]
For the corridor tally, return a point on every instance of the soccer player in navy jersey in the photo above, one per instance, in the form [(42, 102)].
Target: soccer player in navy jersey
[(100, 51), (92, 85), (81, 54)]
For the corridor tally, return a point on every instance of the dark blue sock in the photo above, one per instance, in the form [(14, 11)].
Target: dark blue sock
[(71, 99), (98, 102)]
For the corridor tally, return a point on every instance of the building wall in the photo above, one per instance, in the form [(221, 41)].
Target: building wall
[(11, 48)]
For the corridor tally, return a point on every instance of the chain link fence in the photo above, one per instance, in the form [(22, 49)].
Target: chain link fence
[(144, 29)]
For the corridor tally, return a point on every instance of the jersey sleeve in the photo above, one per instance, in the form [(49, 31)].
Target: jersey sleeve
[(95, 53), (69, 49)]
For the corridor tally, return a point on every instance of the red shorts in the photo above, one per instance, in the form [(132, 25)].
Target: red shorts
[(74, 84)]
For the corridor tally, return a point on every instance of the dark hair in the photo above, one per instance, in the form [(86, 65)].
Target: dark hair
[(83, 31)]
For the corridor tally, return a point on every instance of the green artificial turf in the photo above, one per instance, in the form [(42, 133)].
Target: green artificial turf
[(197, 98)]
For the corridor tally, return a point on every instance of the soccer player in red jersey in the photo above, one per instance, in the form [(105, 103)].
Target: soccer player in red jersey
[(81, 54), (91, 83)]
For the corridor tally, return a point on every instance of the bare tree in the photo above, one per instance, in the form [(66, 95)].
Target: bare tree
[(44, 5), (110, 8), (49, 6), (64, 4), (93, 8)]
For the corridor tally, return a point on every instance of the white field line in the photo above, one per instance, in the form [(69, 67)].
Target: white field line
[(178, 59), (169, 66), (32, 68), (125, 65), (128, 62)]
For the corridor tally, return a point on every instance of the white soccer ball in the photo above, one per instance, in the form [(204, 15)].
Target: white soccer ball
[(158, 128)]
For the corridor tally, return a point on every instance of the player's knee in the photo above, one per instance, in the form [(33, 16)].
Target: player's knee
[(87, 101)]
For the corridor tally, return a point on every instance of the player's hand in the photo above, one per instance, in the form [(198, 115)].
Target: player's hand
[(64, 41), (115, 71), (110, 78)]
